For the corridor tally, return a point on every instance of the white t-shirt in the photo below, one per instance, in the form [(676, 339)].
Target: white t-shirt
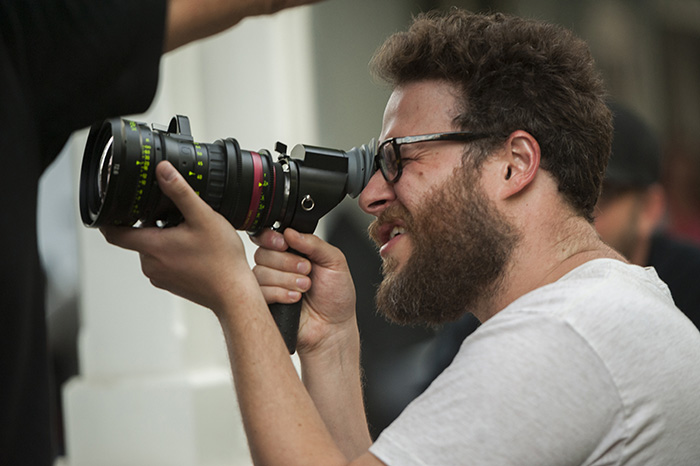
[(598, 368)]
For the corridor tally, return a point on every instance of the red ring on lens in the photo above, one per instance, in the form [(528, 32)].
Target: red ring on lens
[(256, 191)]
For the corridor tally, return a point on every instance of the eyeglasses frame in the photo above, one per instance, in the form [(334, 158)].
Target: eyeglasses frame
[(381, 165)]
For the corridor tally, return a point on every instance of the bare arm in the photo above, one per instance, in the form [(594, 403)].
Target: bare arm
[(190, 20)]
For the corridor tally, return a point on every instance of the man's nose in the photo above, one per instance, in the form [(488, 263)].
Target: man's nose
[(377, 195)]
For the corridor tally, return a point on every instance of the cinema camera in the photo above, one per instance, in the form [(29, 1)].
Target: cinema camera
[(250, 189)]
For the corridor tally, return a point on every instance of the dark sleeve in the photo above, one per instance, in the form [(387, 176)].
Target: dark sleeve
[(678, 264), (82, 60)]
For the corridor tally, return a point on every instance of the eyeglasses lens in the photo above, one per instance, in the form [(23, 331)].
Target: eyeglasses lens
[(388, 160)]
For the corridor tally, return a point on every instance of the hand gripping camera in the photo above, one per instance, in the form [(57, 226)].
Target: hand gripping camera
[(250, 189)]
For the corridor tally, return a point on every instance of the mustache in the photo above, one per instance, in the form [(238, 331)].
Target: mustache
[(391, 214)]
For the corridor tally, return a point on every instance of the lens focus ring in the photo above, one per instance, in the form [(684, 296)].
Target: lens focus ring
[(216, 177)]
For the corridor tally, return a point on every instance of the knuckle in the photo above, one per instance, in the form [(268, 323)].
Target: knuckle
[(108, 235), (156, 283), (180, 186), (259, 255), (290, 263), (255, 239), (260, 273), (147, 269)]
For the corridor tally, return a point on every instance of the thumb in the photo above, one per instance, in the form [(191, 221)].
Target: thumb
[(179, 191)]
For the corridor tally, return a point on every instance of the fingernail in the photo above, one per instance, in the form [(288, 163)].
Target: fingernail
[(303, 267), (277, 241), (303, 283)]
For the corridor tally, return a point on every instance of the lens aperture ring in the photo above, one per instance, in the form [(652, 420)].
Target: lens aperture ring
[(216, 175)]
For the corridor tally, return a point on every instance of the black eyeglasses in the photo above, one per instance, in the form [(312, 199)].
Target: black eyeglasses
[(388, 157)]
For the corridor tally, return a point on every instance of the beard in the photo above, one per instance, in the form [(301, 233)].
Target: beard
[(461, 246)]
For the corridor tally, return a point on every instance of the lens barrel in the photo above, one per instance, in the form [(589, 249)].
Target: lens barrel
[(118, 185)]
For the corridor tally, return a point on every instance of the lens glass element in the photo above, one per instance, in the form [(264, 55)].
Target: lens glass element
[(105, 169)]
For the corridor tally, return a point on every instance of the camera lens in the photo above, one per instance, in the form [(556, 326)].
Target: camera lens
[(118, 185)]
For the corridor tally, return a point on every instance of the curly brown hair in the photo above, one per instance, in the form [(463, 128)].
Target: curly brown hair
[(514, 73)]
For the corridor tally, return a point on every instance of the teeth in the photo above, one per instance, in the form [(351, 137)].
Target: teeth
[(397, 231)]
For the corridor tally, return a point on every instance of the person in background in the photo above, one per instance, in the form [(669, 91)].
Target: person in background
[(680, 176), (63, 65), (631, 210)]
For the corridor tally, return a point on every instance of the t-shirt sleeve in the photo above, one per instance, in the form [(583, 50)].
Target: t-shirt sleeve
[(83, 60), (523, 390)]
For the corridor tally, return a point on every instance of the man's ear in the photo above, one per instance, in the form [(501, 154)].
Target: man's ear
[(519, 163)]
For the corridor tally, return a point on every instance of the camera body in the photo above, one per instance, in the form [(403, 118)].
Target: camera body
[(250, 189)]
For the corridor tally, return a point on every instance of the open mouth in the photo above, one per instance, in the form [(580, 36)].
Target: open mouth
[(387, 232), (389, 225), (396, 231), (389, 235)]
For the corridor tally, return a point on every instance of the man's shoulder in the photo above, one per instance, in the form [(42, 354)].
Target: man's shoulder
[(604, 284), (608, 303)]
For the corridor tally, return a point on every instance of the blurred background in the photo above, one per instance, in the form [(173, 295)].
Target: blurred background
[(141, 377)]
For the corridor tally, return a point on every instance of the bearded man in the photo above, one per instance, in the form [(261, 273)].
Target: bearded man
[(493, 147)]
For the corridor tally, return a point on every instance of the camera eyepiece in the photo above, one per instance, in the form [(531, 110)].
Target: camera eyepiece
[(250, 189)]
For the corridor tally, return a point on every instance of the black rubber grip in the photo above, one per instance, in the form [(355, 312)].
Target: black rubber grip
[(287, 319)]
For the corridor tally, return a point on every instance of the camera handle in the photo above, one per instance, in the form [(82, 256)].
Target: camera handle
[(328, 176), (287, 317)]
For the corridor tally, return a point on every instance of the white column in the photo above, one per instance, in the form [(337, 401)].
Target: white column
[(154, 385)]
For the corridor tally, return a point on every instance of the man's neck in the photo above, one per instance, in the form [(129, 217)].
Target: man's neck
[(543, 257)]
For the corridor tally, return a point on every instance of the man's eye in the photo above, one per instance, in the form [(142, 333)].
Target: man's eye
[(410, 152)]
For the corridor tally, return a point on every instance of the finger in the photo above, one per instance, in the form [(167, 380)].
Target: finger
[(274, 294), (317, 250), (270, 239), (290, 281), (134, 239), (180, 192), (283, 261)]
